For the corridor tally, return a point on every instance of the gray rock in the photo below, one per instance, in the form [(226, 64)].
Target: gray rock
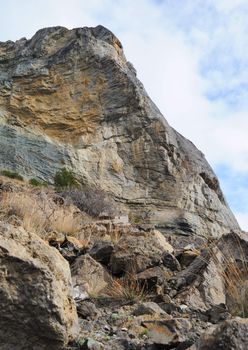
[(87, 309), (229, 335), (148, 308), (138, 253), (171, 262), (89, 276), (94, 345), (101, 251), (69, 98), (154, 277), (37, 309), (170, 333)]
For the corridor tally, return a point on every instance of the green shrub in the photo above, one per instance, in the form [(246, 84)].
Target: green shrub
[(12, 175), (35, 182), (65, 179)]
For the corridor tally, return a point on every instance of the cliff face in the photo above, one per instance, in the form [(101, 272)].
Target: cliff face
[(69, 98)]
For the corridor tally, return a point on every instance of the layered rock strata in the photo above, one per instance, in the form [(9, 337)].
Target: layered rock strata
[(69, 98)]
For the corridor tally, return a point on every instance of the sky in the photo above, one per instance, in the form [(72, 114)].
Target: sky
[(191, 56)]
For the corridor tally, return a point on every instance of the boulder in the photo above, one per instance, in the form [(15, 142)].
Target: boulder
[(37, 309), (101, 251), (170, 333), (204, 278), (154, 277), (88, 276), (229, 335), (138, 253), (87, 309), (148, 308), (171, 262)]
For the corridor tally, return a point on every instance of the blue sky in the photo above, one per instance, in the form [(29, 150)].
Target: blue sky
[(191, 55)]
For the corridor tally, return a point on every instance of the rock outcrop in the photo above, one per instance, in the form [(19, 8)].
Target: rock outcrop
[(69, 98), (229, 335), (37, 309)]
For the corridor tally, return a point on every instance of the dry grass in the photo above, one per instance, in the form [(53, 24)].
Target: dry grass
[(127, 287), (38, 213), (65, 222)]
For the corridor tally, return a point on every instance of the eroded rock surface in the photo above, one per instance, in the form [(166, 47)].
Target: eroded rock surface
[(229, 335), (70, 98), (37, 309)]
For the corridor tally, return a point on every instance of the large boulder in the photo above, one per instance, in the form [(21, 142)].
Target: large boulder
[(36, 308), (137, 253), (169, 333), (89, 277), (69, 98), (229, 335)]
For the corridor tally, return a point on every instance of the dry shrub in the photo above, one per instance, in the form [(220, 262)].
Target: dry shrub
[(65, 222), (127, 287), (26, 208), (93, 201), (38, 213)]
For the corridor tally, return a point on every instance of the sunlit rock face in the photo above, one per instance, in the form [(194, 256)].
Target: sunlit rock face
[(69, 98)]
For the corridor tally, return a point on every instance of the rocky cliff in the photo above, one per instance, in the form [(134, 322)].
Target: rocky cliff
[(69, 98)]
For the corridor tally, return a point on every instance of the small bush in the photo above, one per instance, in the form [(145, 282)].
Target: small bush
[(127, 287), (12, 175), (65, 179), (92, 201), (36, 183)]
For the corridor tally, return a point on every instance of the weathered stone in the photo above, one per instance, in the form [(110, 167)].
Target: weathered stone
[(154, 277), (87, 309), (162, 241), (37, 310), (69, 98), (186, 257), (89, 276), (148, 308), (205, 280), (170, 333), (229, 335), (217, 313), (94, 345), (137, 253), (101, 251), (71, 248), (171, 262)]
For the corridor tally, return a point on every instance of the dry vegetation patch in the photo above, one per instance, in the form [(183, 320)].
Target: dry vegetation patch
[(37, 213)]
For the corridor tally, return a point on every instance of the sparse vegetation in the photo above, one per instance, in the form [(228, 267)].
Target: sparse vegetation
[(12, 175), (93, 201), (65, 179), (38, 213), (65, 222), (234, 273), (37, 183), (127, 287)]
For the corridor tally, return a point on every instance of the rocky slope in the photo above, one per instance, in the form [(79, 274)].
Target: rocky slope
[(70, 281), (69, 98)]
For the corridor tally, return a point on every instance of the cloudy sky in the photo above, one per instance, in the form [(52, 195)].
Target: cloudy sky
[(191, 55)]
